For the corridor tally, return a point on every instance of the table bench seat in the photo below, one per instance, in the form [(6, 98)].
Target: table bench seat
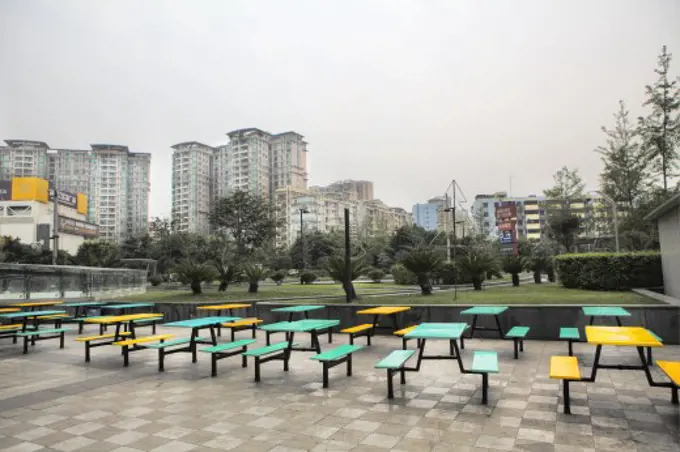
[(243, 324), (98, 341), (394, 362), (278, 351), (517, 334), (571, 335), (333, 357), (164, 346), (565, 368), (365, 329), (39, 335), (135, 344), (484, 362), (226, 350), (402, 332), (10, 327), (672, 371)]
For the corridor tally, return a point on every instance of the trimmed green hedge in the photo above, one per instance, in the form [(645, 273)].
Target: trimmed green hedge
[(610, 271)]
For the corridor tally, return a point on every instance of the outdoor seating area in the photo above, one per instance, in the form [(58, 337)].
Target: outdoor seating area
[(403, 352)]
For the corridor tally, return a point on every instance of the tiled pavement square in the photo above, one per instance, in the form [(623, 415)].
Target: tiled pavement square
[(50, 400)]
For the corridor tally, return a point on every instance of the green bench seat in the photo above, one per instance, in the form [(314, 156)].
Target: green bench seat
[(518, 334), (571, 335), (336, 356), (394, 362), (483, 363), (278, 351), (42, 335), (226, 350)]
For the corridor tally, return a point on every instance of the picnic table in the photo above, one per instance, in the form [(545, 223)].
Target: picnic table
[(494, 311), (33, 305), (389, 311), (80, 307), (196, 326), (621, 336), (446, 331), (127, 320), (605, 312), (26, 316), (300, 309), (312, 326)]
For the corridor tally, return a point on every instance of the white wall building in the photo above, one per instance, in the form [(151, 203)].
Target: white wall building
[(23, 158), (191, 186), (667, 217)]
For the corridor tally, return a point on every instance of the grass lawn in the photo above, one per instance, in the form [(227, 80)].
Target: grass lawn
[(525, 294)]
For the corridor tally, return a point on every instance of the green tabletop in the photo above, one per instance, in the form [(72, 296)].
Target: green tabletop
[(202, 322), (29, 314), (83, 303), (485, 310), (300, 326), (128, 305), (302, 308), (605, 311), (438, 331)]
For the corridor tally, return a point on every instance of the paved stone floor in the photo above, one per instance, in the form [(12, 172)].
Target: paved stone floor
[(51, 400)]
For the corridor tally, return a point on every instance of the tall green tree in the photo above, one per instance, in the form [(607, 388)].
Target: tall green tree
[(660, 129), (318, 247), (423, 262), (338, 270), (98, 253), (249, 219), (625, 177), (563, 224)]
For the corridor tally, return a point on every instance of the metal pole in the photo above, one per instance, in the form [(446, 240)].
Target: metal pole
[(55, 225), (302, 247), (455, 269), (348, 257)]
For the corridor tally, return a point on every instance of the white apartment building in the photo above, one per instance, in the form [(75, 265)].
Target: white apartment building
[(288, 161), (192, 174), (248, 163), (115, 180), (23, 158), (119, 190)]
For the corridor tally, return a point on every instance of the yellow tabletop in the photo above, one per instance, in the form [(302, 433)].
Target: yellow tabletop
[(2, 310), (31, 304), (384, 310), (219, 307), (121, 318), (625, 336)]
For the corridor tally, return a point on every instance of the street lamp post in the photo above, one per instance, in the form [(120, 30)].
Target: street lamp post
[(302, 244), (55, 225), (615, 214)]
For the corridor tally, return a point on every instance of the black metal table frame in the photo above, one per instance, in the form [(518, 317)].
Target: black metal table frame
[(474, 326), (592, 319)]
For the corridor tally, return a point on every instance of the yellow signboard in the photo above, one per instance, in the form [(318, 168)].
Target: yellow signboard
[(29, 189), (82, 203)]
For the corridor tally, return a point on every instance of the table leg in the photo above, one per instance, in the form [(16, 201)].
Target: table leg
[(315, 341), (213, 338), (289, 349), (474, 326), (459, 358), (618, 320), (131, 328), (596, 365), (192, 343), (592, 319), (498, 324), (290, 316)]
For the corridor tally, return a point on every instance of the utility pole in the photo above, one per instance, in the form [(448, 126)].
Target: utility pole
[(302, 244), (348, 257), (55, 224)]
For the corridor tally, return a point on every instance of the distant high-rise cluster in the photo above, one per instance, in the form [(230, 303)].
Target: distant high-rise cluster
[(273, 166), (115, 180)]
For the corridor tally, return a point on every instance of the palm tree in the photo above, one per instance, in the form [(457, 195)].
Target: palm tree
[(540, 261), (514, 265), (254, 274), (337, 270), (475, 263), (423, 262), (194, 273)]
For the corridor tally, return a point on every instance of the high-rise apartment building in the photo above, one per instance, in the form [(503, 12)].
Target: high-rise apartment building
[(192, 175), (248, 162), (119, 187), (23, 158), (115, 180), (288, 161), (354, 190)]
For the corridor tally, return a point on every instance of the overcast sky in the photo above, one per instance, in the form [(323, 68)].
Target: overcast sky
[(409, 94)]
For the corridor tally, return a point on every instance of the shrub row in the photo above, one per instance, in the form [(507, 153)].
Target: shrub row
[(610, 271)]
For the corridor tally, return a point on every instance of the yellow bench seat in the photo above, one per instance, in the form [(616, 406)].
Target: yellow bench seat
[(404, 331), (564, 368), (143, 340), (11, 327), (243, 322), (54, 316), (358, 328), (101, 336), (671, 369)]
